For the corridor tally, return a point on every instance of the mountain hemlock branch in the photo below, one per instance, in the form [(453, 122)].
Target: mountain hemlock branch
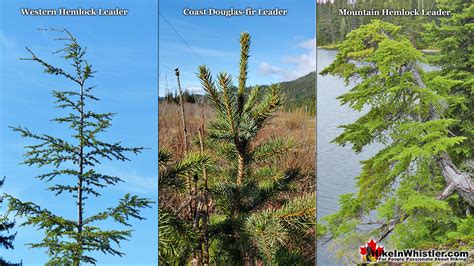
[(6, 239), (70, 241), (425, 121), (243, 212)]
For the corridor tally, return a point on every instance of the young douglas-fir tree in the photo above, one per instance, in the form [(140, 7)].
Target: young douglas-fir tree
[(249, 226), (69, 241), (420, 183)]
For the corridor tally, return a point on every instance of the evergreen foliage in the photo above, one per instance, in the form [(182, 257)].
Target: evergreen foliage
[(6, 238), (70, 165), (332, 27), (176, 236), (424, 121), (454, 37), (247, 184), (300, 93), (229, 203), (188, 97)]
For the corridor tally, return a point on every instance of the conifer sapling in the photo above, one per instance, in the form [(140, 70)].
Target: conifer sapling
[(73, 162)]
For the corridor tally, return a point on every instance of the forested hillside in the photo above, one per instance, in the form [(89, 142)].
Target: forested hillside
[(298, 93), (332, 28)]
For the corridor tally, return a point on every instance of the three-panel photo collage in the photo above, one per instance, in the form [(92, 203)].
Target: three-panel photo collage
[(236, 132)]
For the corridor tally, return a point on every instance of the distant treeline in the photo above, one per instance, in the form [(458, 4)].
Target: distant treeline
[(299, 93), (332, 27), (188, 97)]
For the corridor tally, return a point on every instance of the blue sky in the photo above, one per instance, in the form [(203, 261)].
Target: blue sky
[(283, 47), (123, 51)]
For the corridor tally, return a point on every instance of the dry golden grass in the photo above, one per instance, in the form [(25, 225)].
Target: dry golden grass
[(296, 125), (169, 125), (299, 127)]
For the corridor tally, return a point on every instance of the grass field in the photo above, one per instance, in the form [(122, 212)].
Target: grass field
[(299, 163), (296, 125)]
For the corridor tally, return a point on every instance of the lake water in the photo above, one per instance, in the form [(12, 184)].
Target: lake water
[(337, 166)]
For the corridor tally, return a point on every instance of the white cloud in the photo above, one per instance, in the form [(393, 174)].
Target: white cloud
[(138, 184), (300, 64), (303, 63), (266, 69), (309, 44), (195, 89), (133, 182)]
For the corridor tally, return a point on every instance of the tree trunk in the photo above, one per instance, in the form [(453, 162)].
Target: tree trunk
[(183, 118), (247, 261), (240, 169), (79, 181), (185, 141), (456, 180)]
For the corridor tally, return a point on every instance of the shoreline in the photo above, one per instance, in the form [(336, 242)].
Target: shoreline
[(336, 47)]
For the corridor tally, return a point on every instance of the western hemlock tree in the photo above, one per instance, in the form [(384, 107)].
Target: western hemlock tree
[(249, 225), (418, 116), (69, 241), (6, 239)]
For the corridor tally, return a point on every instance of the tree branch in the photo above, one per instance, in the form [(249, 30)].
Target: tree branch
[(456, 179)]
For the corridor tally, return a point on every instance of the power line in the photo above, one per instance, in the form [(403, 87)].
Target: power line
[(181, 37)]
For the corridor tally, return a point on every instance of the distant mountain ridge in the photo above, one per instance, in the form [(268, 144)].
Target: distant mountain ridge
[(300, 92)]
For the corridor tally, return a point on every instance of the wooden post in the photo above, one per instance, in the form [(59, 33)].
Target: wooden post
[(183, 116), (205, 217)]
